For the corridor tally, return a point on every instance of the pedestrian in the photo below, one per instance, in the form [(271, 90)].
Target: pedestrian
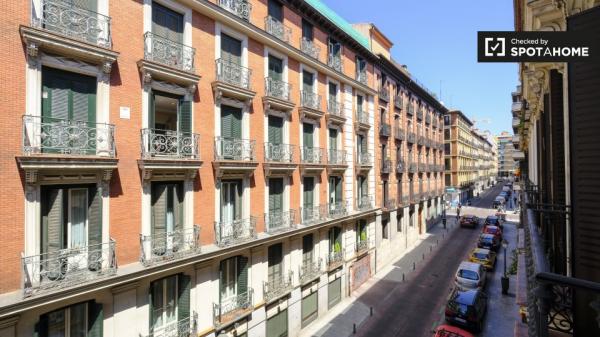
[(444, 222), (458, 210)]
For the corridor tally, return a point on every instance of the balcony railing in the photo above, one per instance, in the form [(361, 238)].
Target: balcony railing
[(419, 114), (278, 287), (65, 268), (335, 62), (428, 118), (233, 73), (398, 101), (337, 209), (410, 109), (310, 100), (309, 271), (169, 53), (334, 108), (335, 259), (167, 246), (362, 246), (364, 159), (362, 117), (310, 48), (389, 204), (361, 76), (182, 328), (279, 153), (313, 214), (364, 203), (170, 144), (384, 93), (240, 8), (400, 167), (411, 137), (68, 137), (280, 221), (67, 19), (236, 231), (386, 166), (277, 89), (403, 200), (278, 29), (312, 155), (234, 149), (399, 133), (384, 129), (412, 167), (337, 157), (231, 309)]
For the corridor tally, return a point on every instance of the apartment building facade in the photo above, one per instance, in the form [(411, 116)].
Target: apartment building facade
[(506, 162), (179, 167)]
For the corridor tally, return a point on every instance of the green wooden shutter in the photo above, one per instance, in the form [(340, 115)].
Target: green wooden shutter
[(277, 326), (338, 189), (95, 319), (332, 92), (231, 49), (231, 122), (154, 289), (151, 111), (307, 248), (238, 199), (183, 299), (167, 23), (185, 116), (364, 187), (275, 10), (159, 208), (359, 104), (307, 132), (52, 220), (94, 215), (275, 130), (275, 194), (331, 188), (333, 134), (178, 207), (275, 256), (308, 192), (275, 68), (242, 279), (307, 81)]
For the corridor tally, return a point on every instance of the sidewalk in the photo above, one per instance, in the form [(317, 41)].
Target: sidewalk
[(355, 309)]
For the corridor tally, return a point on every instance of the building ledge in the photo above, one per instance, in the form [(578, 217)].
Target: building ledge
[(276, 168), (53, 167), (274, 103), (153, 168), (310, 113), (153, 70), (223, 89), (335, 119), (234, 167)]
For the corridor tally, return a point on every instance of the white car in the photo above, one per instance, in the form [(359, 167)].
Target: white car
[(470, 275)]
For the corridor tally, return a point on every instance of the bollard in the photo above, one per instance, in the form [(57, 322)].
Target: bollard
[(403, 277), (371, 313), (414, 266), (354, 328)]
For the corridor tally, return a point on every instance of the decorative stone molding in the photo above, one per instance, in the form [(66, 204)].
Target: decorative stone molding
[(125, 287)]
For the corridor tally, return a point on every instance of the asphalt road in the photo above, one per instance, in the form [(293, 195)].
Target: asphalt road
[(414, 307)]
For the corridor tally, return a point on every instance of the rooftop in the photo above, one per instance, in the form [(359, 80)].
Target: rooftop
[(340, 22)]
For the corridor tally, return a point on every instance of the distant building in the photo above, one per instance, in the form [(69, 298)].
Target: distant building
[(506, 162)]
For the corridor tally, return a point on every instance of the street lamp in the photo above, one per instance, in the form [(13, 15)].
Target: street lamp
[(504, 280)]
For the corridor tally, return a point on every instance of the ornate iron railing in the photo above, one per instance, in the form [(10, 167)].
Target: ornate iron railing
[(168, 246), (361, 76), (233, 73), (389, 203), (63, 136), (310, 100), (428, 118), (334, 108), (309, 271), (65, 268), (240, 8), (410, 109), (278, 29), (404, 200), (234, 149), (277, 89), (362, 246), (399, 133), (278, 287), (364, 203), (337, 209), (385, 129), (364, 158), (398, 102), (386, 165), (313, 214), (236, 231), (310, 48), (384, 93), (186, 327), (335, 62), (168, 143), (362, 116), (312, 155), (419, 114), (335, 259), (279, 153), (337, 157), (279, 221), (228, 310), (411, 137), (67, 19), (170, 53), (400, 167), (412, 167)]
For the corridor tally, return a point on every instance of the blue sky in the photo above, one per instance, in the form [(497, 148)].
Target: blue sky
[(437, 40)]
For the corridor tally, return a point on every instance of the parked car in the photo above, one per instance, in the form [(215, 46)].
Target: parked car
[(446, 330), (470, 275), (483, 256), (469, 221), (466, 308), (495, 230), (488, 241), (494, 220), (498, 202)]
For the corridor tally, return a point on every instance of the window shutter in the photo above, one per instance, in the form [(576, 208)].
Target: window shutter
[(307, 81), (57, 100), (338, 189), (231, 49), (242, 280), (52, 220), (151, 109), (185, 116), (307, 30), (95, 216), (308, 192), (183, 300), (95, 319), (167, 23), (364, 187), (275, 130), (332, 92), (359, 104), (275, 194), (275, 68), (275, 10), (307, 131), (178, 198), (154, 290), (307, 248), (333, 133), (238, 199), (236, 124), (221, 278), (331, 189), (159, 209), (275, 257), (226, 121)]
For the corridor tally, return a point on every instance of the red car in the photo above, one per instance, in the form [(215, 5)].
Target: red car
[(495, 230), (469, 221), (446, 330)]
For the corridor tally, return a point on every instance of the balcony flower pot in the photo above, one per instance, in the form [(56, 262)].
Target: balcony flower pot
[(505, 283)]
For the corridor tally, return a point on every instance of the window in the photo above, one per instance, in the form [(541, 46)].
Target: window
[(446, 148), (276, 195), (167, 114), (308, 135), (363, 190), (308, 79), (275, 68), (359, 104), (167, 23), (275, 266), (78, 320), (446, 120), (335, 191), (231, 123), (385, 193), (333, 140), (233, 281), (361, 231), (361, 146), (308, 186), (167, 215), (307, 249), (399, 221), (384, 229), (334, 292), (307, 30), (332, 94), (447, 134), (335, 48), (169, 303), (275, 130), (361, 69), (275, 10), (335, 240), (231, 201)]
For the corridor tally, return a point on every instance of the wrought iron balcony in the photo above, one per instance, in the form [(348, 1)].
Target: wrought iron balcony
[(310, 48), (278, 29), (68, 267), (399, 133), (412, 167), (234, 149), (279, 153), (411, 137), (435, 122), (420, 114), (312, 155), (389, 204), (420, 140), (364, 203), (310, 100), (398, 101), (384, 129), (386, 165), (334, 108), (169, 53), (280, 221), (240, 8), (404, 200), (234, 232), (335, 62), (67, 137), (309, 271), (384, 93), (67, 19), (335, 259), (362, 246), (411, 109), (233, 73), (168, 246), (428, 118), (337, 209), (337, 157), (278, 287), (169, 144), (181, 328), (233, 308), (364, 159), (362, 117), (400, 167), (312, 215), (277, 89), (361, 76)]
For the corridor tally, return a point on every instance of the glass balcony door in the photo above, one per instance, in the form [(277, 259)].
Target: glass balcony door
[(163, 294), (231, 201), (335, 191), (233, 283), (170, 119), (167, 217)]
